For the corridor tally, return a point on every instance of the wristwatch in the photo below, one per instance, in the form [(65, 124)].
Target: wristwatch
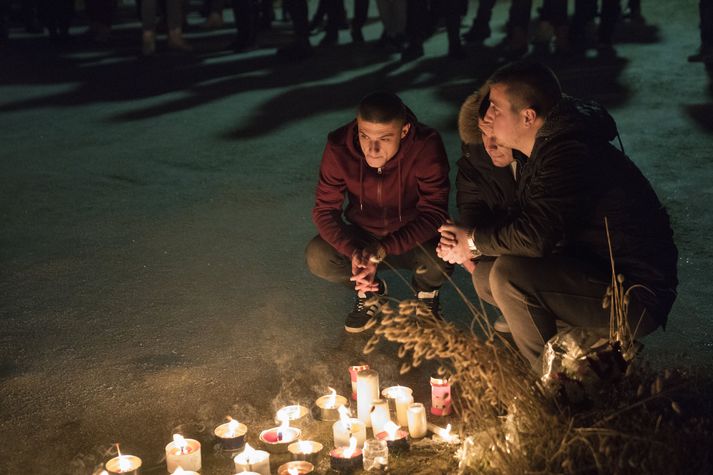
[(474, 251)]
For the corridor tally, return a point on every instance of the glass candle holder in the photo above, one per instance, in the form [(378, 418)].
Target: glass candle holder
[(376, 455)]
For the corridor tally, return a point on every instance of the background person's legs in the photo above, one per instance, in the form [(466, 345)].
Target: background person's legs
[(533, 293)]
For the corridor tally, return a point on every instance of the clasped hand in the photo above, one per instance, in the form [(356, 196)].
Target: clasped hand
[(453, 246), (364, 267)]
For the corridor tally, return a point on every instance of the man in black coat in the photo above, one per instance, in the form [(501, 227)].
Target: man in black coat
[(552, 254)]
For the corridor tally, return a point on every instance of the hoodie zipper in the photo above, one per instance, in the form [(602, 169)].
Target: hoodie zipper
[(379, 196)]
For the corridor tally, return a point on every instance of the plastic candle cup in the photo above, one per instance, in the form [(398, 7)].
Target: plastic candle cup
[(417, 422), (184, 453), (440, 396), (376, 455), (251, 460), (353, 371)]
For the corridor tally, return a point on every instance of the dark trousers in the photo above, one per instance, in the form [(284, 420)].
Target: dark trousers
[(418, 24), (101, 11), (300, 21), (586, 10), (534, 294), (429, 272), (705, 9), (56, 15), (481, 22), (245, 13)]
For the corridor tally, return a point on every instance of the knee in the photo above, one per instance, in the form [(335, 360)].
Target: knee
[(509, 273), (317, 256)]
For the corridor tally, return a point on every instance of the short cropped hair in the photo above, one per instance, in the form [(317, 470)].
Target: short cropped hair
[(530, 85), (382, 107)]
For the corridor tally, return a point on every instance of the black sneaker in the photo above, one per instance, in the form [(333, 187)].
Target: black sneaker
[(365, 308), (431, 302)]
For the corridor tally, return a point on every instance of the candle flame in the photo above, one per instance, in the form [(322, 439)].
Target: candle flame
[(304, 447), (446, 435), (232, 427), (179, 470), (390, 428), (249, 453), (332, 399), (344, 415), (349, 451), (124, 463), (180, 443), (104, 472), (293, 471), (284, 426)]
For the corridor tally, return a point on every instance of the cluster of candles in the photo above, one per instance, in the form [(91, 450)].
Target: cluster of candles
[(352, 448)]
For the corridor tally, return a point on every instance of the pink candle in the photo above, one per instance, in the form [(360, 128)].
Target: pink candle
[(440, 396)]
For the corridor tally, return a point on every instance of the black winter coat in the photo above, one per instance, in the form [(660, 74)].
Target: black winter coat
[(574, 179)]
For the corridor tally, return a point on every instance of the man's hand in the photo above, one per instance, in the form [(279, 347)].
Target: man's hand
[(453, 246), (364, 271)]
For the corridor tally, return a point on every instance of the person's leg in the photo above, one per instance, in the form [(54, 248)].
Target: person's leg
[(331, 29), (611, 11), (361, 13), (585, 11), (533, 293), (706, 12), (327, 263), (417, 28), (518, 25), (451, 10), (245, 14), (300, 47), (480, 30)]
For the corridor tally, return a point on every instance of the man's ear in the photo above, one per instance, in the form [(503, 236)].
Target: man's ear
[(529, 116), (404, 130)]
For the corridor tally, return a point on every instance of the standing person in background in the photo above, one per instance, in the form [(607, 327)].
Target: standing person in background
[(300, 46), (382, 193), (393, 17), (174, 21), (705, 52), (100, 13), (56, 17)]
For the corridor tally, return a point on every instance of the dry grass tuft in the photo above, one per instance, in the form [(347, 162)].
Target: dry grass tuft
[(646, 422)]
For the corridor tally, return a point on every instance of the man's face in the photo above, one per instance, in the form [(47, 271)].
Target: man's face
[(501, 156), (380, 142), (506, 123)]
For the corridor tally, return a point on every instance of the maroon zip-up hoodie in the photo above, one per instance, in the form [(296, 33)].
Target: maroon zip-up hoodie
[(402, 203)]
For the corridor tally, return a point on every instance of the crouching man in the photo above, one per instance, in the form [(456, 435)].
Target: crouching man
[(551, 254), (382, 194)]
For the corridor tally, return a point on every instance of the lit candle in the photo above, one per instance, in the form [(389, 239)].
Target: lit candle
[(353, 371), (328, 405), (440, 396), (376, 455), (251, 460), (305, 450), (379, 415), (122, 463), (367, 392), (347, 427), (346, 458), (295, 414), (396, 439), (299, 467), (185, 453), (444, 434), (180, 471), (417, 423), (231, 434), (277, 439), (401, 397)]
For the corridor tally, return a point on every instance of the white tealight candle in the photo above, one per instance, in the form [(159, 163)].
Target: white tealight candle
[(347, 427), (379, 415), (367, 392), (180, 471), (184, 453), (417, 423), (251, 460)]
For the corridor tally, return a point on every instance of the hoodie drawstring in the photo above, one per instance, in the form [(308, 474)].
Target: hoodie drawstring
[(361, 185)]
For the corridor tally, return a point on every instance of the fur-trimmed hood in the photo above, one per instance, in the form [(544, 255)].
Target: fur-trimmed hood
[(468, 117)]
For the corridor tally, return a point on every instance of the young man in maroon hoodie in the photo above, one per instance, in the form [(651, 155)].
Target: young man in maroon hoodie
[(392, 172)]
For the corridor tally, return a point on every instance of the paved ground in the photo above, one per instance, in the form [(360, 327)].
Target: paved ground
[(154, 215)]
